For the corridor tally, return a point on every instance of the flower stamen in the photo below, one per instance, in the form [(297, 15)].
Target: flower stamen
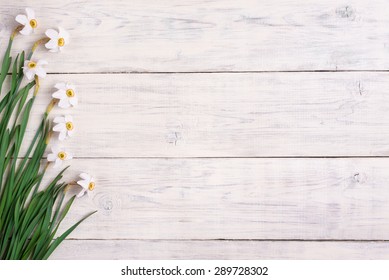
[(69, 126), (33, 23), (91, 186), (62, 155), (31, 64), (61, 42), (70, 93)]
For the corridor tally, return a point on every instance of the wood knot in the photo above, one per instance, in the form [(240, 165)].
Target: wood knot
[(174, 132), (360, 178), (107, 204), (173, 137), (346, 12), (360, 89)]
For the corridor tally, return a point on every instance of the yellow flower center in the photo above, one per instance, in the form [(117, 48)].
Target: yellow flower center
[(31, 64), (62, 155), (33, 23), (70, 93), (91, 186), (61, 42), (69, 126)]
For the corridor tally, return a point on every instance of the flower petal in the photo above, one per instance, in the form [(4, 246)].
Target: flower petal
[(62, 135), (59, 94), (52, 34), (42, 62), (40, 72), (68, 118), (81, 193), (71, 86), (56, 49), (27, 30), (60, 86), (55, 149), (51, 44), (85, 176), (29, 74), (59, 127), (22, 19), (51, 157), (63, 34), (30, 13), (69, 156), (73, 101), (83, 183), (59, 120), (58, 163), (64, 103)]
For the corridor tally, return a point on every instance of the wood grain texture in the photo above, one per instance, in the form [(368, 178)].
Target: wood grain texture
[(219, 250), (226, 115), (235, 199), (205, 35), (184, 159)]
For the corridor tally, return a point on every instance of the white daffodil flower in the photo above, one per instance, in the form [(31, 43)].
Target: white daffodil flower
[(87, 183), (29, 21), (64, 126), (66, 94), (32, 68), (58, 156), (58, 39)]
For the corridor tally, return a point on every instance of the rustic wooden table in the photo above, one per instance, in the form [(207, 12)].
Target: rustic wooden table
[(224, 129)]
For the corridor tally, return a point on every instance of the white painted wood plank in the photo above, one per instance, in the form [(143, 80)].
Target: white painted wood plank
[(226, 115), (189, 250), (205, 35), (235, 199)]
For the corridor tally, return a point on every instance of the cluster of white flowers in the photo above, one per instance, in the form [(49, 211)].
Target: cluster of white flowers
[(65, 93), (56, 41)]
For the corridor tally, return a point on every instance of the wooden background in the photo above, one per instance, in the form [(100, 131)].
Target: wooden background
[(224, 129)]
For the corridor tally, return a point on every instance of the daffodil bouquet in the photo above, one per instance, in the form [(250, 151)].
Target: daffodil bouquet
[(31, 211)]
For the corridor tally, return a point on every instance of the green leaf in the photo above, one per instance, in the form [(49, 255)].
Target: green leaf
[(59, 240)]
